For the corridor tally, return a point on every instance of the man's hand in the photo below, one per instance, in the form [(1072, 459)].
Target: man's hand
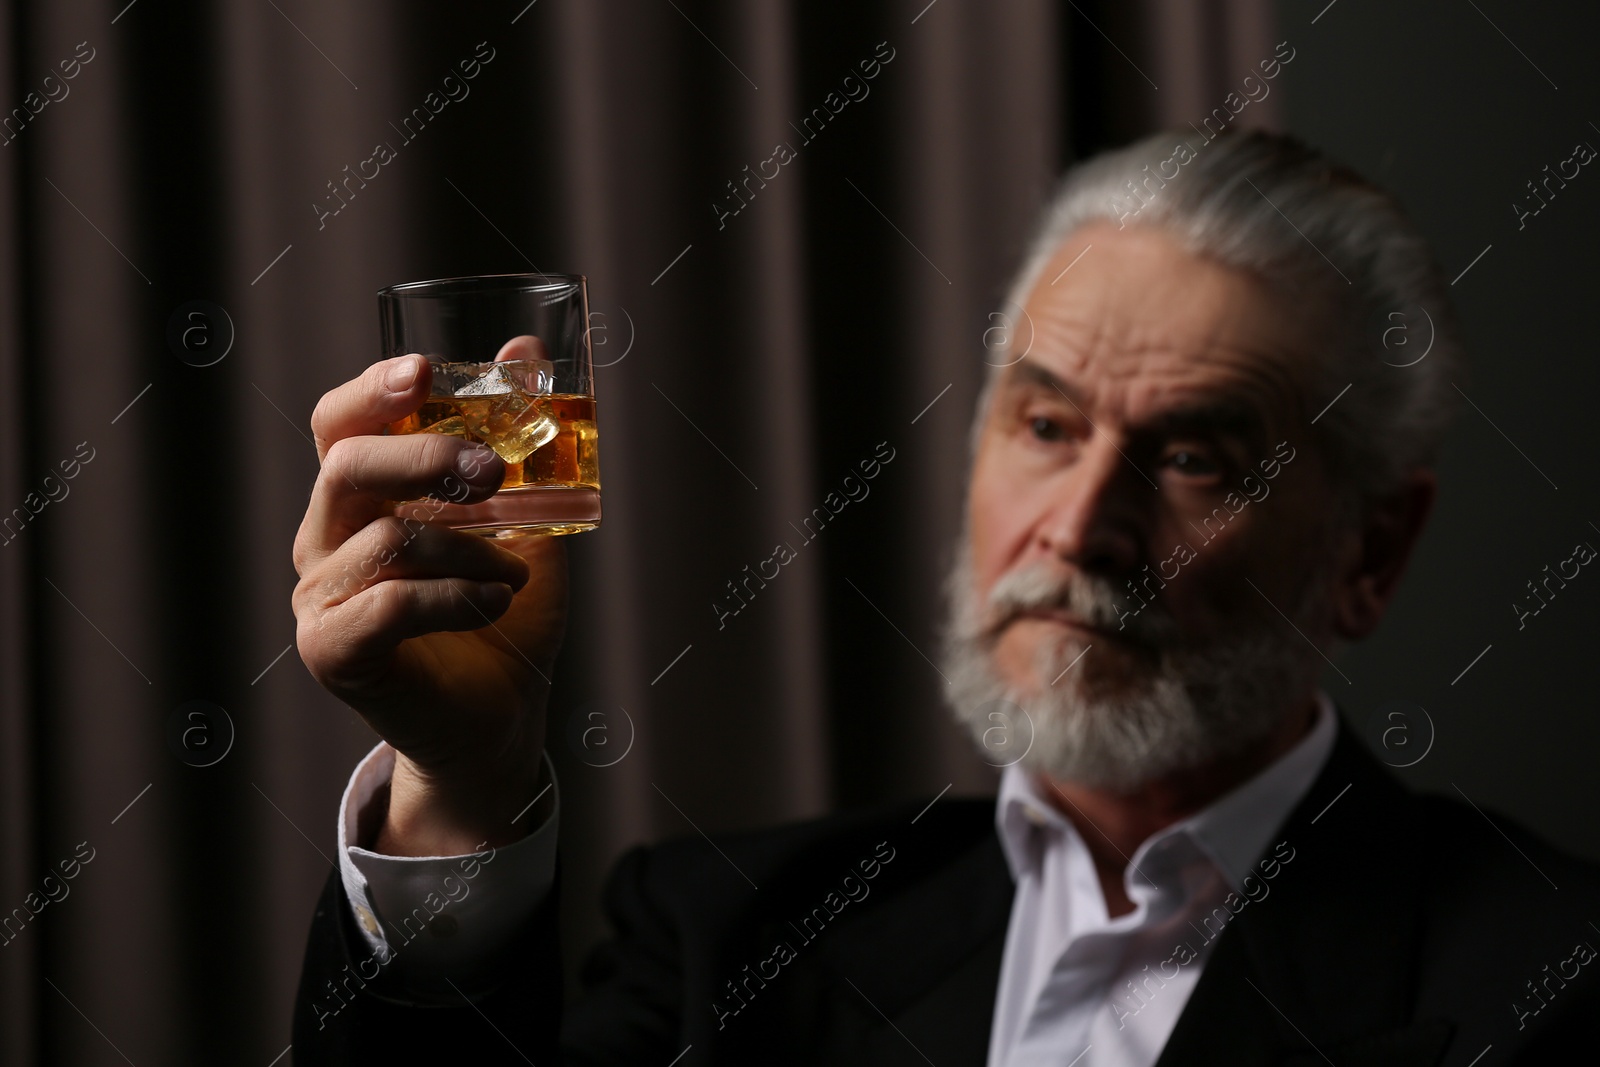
[(443, 640)]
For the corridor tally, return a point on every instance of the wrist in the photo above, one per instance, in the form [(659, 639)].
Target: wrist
[(464, 809)]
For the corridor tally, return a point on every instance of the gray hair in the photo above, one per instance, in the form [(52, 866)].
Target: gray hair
[(1309, 228)]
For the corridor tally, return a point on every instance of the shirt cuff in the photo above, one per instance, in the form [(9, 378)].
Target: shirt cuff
[(435, 923)]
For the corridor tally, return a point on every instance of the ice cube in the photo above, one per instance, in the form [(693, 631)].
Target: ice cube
[(504, 407), (493, 382), (533, 376), (513, 424)]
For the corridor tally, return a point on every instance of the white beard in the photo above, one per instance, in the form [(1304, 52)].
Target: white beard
[(1100, 724)]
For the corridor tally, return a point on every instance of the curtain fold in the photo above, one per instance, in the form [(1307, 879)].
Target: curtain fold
[(765, 341)]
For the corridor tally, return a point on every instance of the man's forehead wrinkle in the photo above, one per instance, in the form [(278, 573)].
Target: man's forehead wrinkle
[(1070, 345), (1068, 335), (1136, 305), (1079, 335), (1132, 354)]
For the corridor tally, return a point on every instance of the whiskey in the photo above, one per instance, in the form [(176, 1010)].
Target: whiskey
[(549, 442), (555, 443)]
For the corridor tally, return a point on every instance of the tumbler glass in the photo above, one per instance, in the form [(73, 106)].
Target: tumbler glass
[(512, 369)]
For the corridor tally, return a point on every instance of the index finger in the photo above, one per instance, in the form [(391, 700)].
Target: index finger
[(388, 390)]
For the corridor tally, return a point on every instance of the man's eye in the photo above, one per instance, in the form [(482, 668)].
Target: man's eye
[(1045, 428), (1194, 464)]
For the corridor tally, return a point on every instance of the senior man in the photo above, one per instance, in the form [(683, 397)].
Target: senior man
[(1196, 473)]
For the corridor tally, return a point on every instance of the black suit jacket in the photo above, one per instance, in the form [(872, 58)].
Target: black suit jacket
[(1406, 930)]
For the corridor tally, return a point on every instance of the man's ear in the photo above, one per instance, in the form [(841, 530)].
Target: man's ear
[(1390, 528)]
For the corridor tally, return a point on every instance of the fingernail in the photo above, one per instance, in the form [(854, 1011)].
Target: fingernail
[(403, 375), (475, 463), (496, 596)]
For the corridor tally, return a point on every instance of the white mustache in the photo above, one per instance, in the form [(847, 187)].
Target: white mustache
[(1093, 599)]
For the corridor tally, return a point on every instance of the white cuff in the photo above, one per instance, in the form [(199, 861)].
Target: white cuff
[(434, 921)]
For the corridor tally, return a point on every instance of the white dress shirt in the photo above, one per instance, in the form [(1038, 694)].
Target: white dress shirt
[(1079, 987), (1076, 986)]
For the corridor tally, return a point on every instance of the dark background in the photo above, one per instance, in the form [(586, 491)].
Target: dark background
[(759, 368), (1432, 100)]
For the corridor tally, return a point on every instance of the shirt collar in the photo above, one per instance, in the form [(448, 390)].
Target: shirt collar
[(1232, 830)]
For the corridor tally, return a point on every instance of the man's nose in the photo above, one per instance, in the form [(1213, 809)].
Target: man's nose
[(1096, 510)]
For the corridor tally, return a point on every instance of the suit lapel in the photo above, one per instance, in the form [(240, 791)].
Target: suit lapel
[(919, 976), (1320, 969), (1324, 964)]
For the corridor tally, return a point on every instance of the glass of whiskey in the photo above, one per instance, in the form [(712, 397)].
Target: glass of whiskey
[(512, 369)]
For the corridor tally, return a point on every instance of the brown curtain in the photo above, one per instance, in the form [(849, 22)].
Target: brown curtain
[(751, 361)]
